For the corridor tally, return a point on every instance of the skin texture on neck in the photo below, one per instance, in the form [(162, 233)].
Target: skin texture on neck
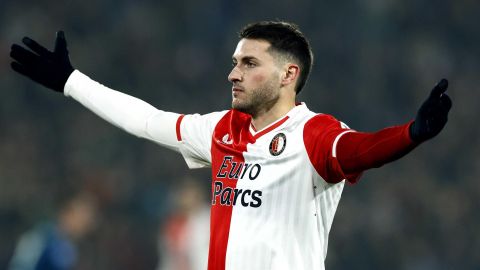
[(263, 82), (267, 116)]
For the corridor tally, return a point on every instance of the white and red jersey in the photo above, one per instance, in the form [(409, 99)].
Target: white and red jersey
[(272, 203), (274, 191)]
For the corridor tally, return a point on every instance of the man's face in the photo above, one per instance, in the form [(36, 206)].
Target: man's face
[(255, 76)]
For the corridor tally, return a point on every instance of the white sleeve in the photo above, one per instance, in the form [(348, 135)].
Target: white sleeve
[(129, 113), (195, 133)]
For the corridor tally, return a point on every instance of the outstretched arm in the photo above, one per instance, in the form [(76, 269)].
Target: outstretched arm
[(54, 71), (126, 112), (357, 151)]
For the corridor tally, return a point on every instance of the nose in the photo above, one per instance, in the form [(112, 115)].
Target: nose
[(235, 75)]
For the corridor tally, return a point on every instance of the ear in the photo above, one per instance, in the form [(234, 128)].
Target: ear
[(290, 74)]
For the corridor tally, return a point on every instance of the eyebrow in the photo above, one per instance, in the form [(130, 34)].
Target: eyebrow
[(246, 58)]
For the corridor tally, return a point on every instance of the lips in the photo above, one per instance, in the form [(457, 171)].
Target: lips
[(237, 89)]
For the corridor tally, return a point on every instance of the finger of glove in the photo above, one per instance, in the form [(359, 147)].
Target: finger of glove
[(445, 102), (34, 46), (439, 89), (21, 69), (34, 75), (27, 71), (438, 123), (23, 55), (60, 43)]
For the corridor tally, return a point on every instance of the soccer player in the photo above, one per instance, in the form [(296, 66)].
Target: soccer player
[(278, 169)]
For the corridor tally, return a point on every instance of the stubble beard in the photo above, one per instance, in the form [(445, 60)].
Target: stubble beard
[(258, 100)]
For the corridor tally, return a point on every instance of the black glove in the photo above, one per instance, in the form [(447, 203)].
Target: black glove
[(432, 115), (50, 69)]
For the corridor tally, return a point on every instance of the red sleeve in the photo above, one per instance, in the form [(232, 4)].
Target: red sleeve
[(319, 135), (358, 151)]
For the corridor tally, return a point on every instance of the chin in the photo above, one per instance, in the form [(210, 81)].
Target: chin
[(236, 104), (241, 108)]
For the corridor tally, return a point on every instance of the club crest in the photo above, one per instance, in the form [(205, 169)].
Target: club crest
[(278, 144)]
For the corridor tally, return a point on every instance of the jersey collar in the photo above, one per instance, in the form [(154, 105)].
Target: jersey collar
[(257, 134)]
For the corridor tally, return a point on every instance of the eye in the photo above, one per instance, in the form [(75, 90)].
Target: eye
[(250, 64)]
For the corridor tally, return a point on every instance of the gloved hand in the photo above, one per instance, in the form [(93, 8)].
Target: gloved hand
[(432, 115), (50, 69)]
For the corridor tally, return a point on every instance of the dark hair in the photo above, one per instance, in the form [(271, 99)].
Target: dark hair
[(285, 38)]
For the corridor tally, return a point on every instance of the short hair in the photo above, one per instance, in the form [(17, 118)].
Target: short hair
[(285, 38)]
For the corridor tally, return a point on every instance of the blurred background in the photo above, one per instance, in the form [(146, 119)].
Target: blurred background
[(375, 63)]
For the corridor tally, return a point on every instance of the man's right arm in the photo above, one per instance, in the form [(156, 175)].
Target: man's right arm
[(126, 112), (53, 70)]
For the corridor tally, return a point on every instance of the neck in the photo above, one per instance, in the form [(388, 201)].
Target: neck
[(264, 118)]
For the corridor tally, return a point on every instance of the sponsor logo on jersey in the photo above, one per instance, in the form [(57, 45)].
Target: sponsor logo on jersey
[(232, 170), (278, 144), (238, 170), (233, 196)]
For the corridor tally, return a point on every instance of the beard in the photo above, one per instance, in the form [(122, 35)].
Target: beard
[(261, 99)]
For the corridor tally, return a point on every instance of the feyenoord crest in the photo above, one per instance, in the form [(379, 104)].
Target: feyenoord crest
[(278, 143)]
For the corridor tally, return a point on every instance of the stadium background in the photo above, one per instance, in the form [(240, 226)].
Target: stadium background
[(375, 62)]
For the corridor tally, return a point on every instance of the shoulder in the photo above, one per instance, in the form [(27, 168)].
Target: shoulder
[(197, 120), (323, 122), (321, 131)]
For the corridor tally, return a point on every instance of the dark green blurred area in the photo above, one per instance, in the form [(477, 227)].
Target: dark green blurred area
[(375, 63)]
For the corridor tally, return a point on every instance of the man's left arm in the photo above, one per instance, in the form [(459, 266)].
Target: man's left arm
[(359, 151)]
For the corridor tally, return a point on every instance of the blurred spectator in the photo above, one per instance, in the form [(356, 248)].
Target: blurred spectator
[(184, 237), (51, 245)]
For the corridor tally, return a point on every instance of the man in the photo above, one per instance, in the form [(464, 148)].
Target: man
[(278, 169), (53, 244)]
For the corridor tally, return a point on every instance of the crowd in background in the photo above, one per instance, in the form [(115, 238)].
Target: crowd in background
[(375, 63)]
